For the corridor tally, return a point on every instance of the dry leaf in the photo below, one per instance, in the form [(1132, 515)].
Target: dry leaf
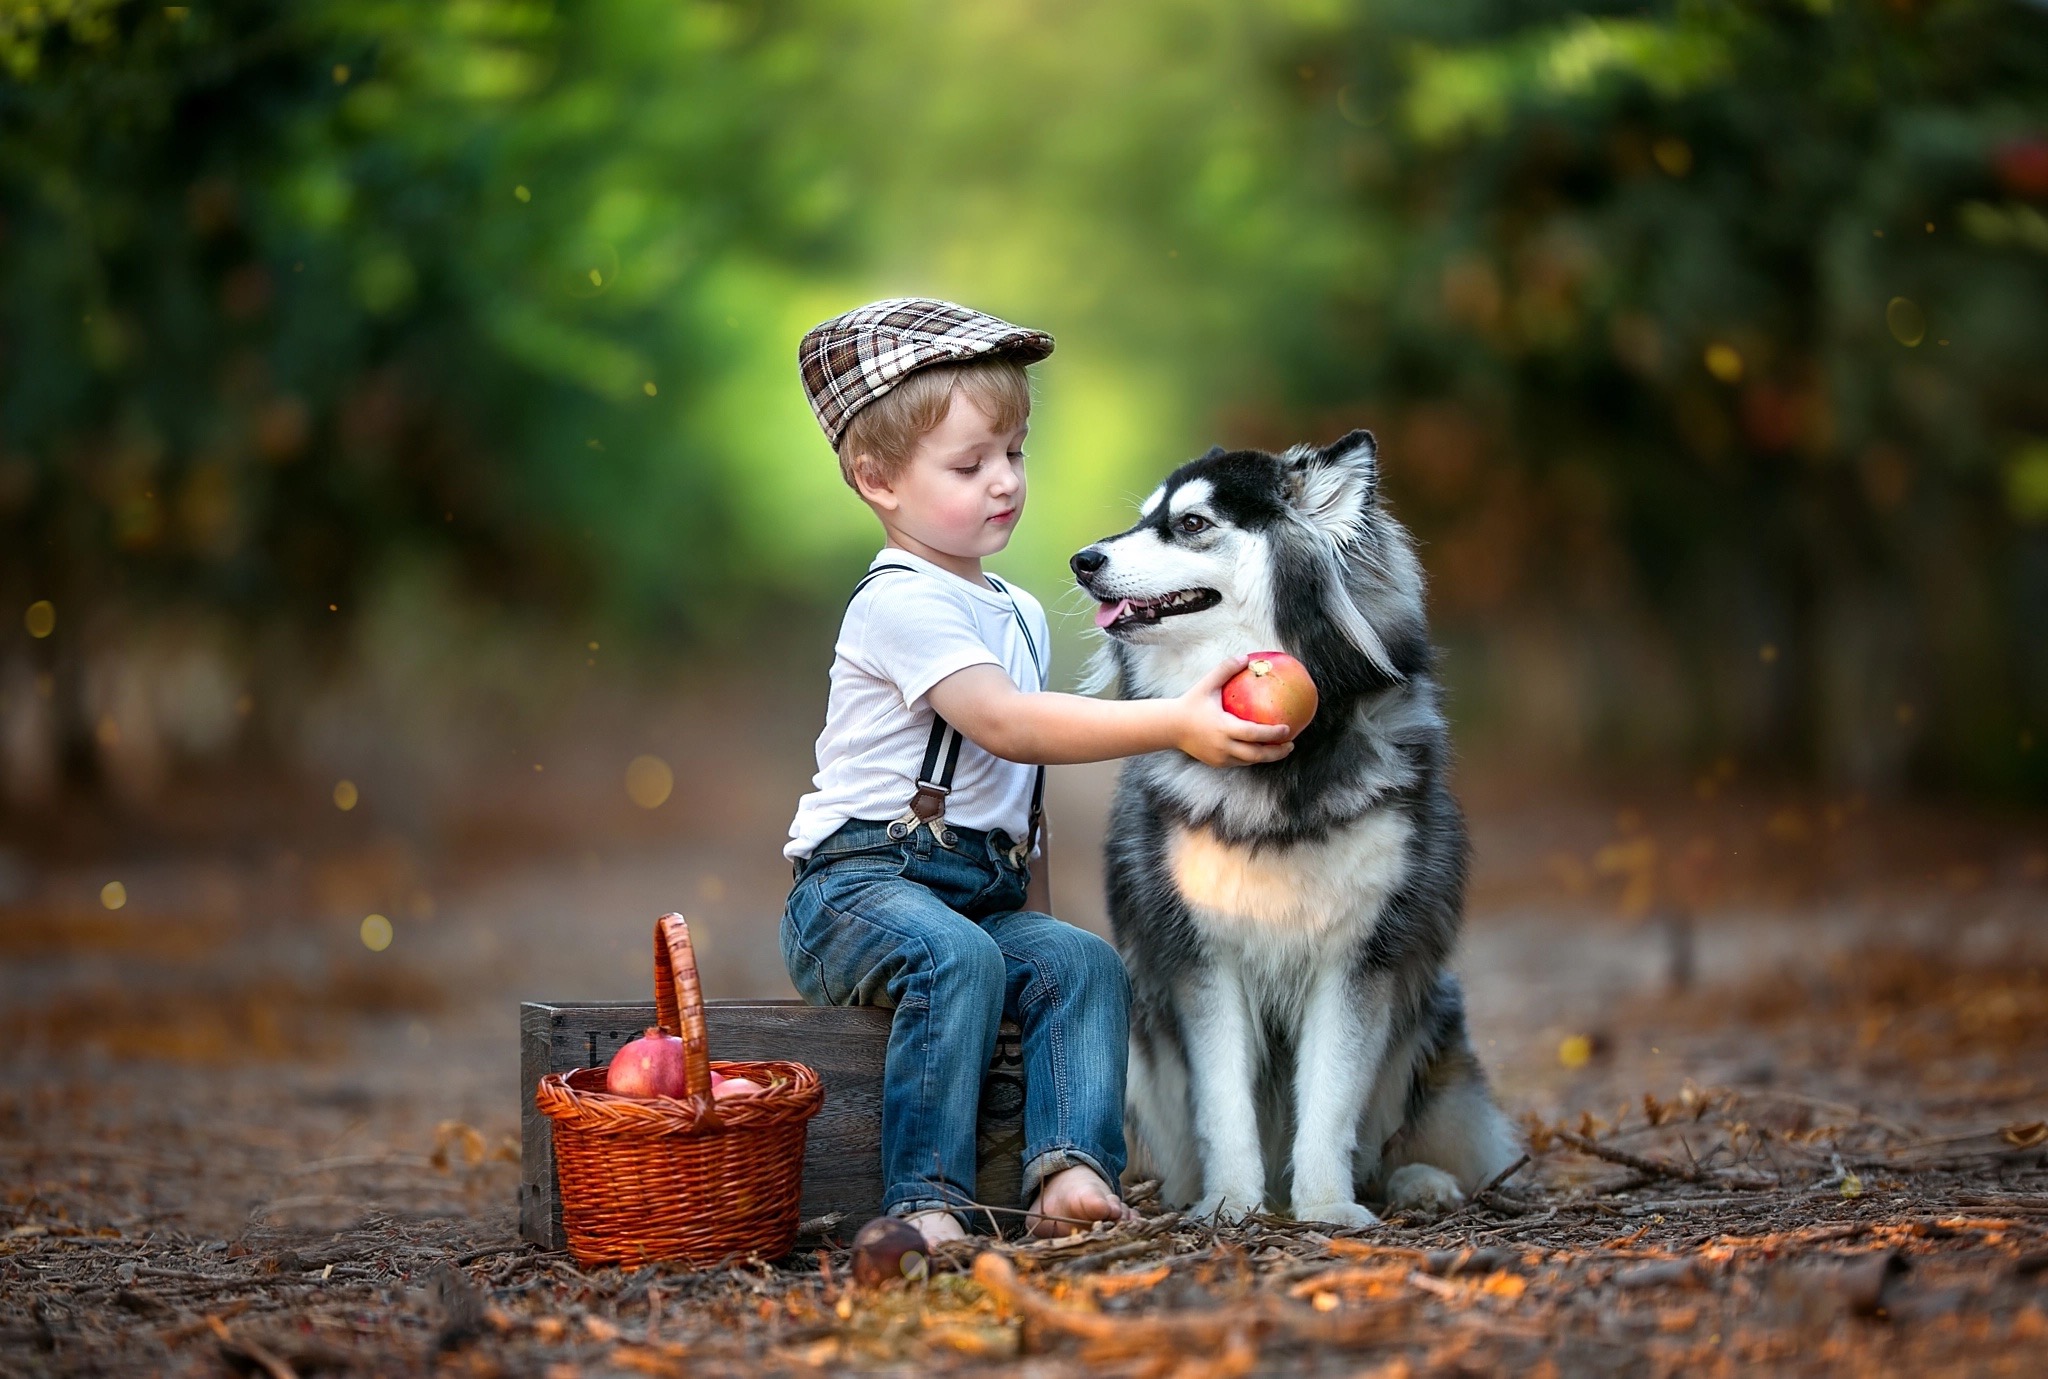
[(1370, 1281), (1362, 1249), (646, 1359), (2025, 1136), (1503, 1284), (981, 1342), (1115, 1285), (1682, 1320), (453, 1135)]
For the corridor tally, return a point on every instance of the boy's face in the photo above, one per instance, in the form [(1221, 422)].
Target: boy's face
[(962, 491)]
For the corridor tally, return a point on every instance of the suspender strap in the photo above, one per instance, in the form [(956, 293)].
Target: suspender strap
[(933, 785), (928, 805), (870, 577), (1038, 779), (929, 771), (1037, 811)]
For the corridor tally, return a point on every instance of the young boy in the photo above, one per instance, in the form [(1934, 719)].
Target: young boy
[(913, 854)]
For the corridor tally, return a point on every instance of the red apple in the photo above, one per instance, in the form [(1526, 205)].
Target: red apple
[(651, 1065), (889, 1249), (1272, 688)]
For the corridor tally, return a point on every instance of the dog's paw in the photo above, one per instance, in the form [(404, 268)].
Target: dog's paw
[(1225, 1207), (1423, 1189), (1341, 1214)]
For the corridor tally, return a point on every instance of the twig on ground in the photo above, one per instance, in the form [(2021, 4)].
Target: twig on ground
[(1662, 1168), (1480, 1197), (1964, 1137), (1714, 1203), (1067, 1245), (187, 1276), (970, 1205), (1501, 1177), (1095, 1259)]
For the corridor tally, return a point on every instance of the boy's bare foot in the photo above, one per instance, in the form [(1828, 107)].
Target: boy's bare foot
[(937, 1226), (1074, 1195)]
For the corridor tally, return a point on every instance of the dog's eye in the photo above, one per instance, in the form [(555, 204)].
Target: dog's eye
[(1191, 524)]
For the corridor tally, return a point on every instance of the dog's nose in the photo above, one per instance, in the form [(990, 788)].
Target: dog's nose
[(1088, 560)]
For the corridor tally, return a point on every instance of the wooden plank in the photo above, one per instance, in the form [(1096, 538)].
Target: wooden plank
[(847, 1045), (540, 1207)]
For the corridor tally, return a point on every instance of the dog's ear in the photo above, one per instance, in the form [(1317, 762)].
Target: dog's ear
[(1213, 451), (1334, 488), (1333, 491)]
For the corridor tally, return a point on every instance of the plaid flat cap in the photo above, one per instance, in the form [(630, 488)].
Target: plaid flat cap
[(852, 359)]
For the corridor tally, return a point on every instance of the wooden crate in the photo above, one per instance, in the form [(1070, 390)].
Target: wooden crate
[(845, 1044)]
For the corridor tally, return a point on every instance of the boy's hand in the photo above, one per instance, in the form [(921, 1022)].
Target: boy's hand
[(1216, 737)]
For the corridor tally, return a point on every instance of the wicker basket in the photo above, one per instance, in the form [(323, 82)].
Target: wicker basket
[(684, 1178)]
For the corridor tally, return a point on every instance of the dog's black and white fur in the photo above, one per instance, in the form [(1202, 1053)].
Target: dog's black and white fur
[(1296, 1035)]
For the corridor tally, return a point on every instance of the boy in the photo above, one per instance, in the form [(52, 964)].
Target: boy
[(912, 855)]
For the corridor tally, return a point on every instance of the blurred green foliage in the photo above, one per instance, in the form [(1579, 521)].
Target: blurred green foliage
[(1706, 337)]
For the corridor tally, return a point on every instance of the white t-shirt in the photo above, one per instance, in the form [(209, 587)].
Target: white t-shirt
[(903, 633)]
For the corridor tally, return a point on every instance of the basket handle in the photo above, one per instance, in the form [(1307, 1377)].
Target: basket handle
[(679, 1001)]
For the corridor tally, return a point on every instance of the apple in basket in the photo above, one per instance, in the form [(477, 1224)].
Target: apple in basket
[(651, 1065), (1273, 687)]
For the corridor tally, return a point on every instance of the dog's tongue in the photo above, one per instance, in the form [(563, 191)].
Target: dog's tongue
[(1110, 612)]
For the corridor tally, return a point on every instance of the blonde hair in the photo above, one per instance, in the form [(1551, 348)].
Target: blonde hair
[(888, 429)]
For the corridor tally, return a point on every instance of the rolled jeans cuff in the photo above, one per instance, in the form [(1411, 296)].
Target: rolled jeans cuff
[(910, 1206), (1061, 1156)]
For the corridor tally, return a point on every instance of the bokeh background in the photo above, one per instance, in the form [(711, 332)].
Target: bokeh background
[(405, 485), (418, 570)]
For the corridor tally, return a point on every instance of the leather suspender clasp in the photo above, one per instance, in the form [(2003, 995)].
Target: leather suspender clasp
[(934, 783)]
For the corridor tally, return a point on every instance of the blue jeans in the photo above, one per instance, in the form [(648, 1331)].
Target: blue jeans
[(940, 934)]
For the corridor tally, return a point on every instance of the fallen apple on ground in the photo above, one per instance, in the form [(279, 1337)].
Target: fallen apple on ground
[(1273, 687), (888, 1249)]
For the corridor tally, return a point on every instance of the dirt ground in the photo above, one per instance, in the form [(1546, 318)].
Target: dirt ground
[(1782, 1062)]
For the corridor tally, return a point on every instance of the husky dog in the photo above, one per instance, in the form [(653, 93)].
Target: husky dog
[(1296, 1035)]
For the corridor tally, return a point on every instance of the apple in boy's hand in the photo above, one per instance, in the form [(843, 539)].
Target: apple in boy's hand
[(651, 1065), (1273, 687)]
